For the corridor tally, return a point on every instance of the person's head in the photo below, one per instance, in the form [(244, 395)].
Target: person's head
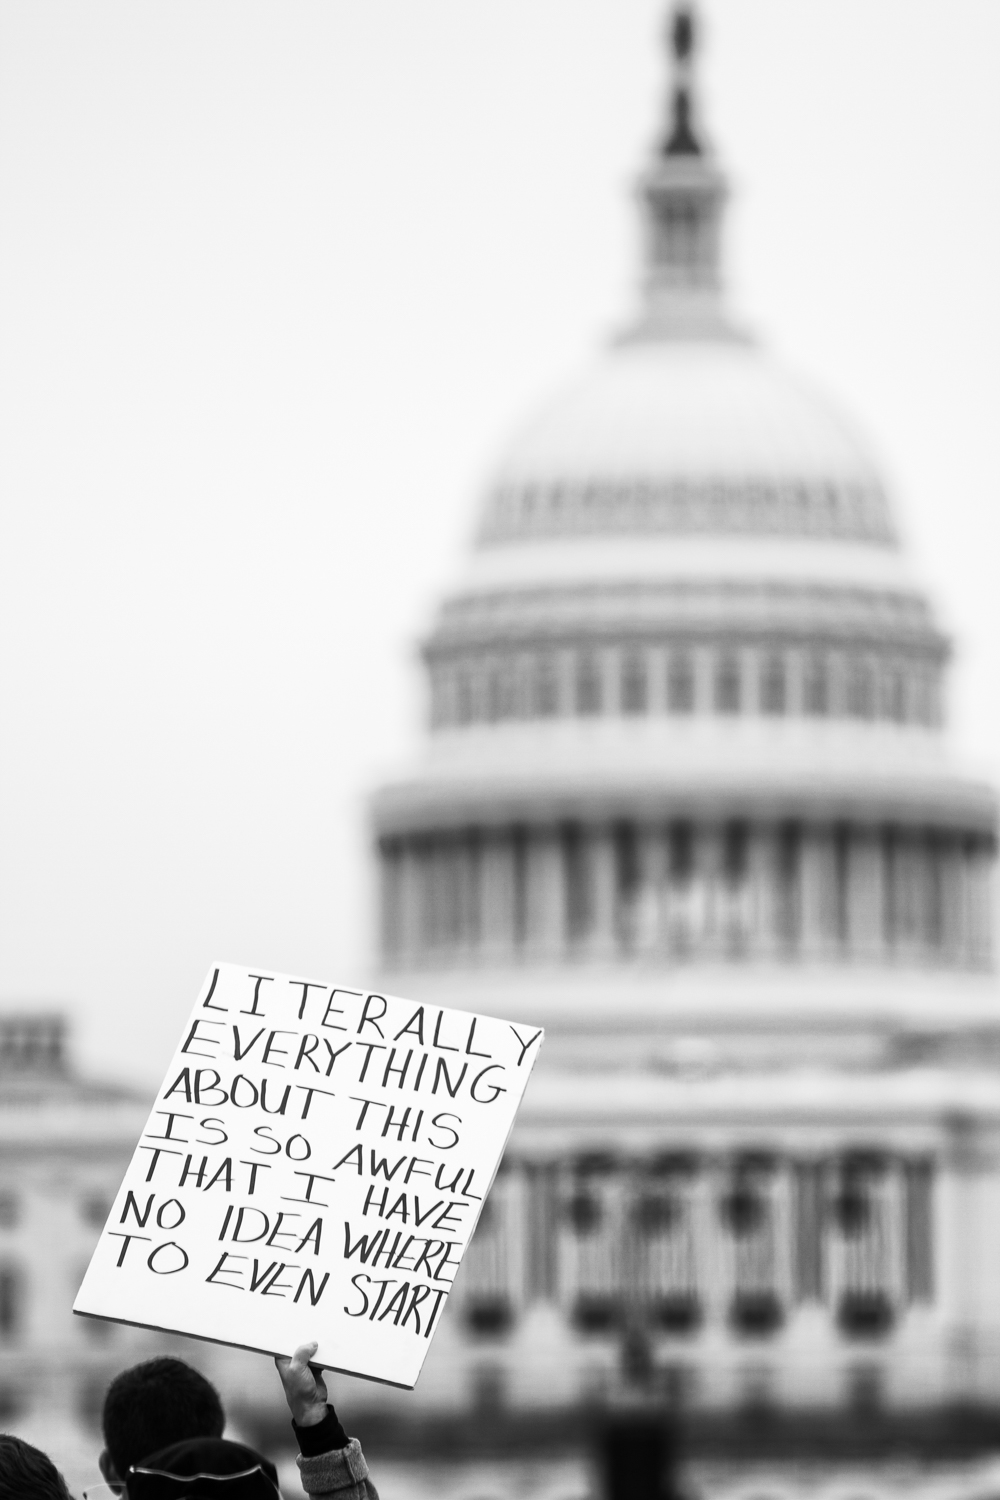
[(153, 1405), (26, 1473), (204, 1469)]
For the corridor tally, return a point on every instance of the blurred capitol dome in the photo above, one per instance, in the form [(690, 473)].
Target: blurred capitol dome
[(687, 801)]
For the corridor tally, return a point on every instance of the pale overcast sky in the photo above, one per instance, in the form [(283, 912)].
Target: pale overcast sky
[(277, 279)]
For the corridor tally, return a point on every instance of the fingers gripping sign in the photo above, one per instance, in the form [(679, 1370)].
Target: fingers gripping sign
[(304, 1386)]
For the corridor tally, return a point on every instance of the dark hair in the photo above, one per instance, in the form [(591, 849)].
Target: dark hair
[(26, 1473), (152, 1405)]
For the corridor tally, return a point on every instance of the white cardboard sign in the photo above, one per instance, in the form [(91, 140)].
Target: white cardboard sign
[(313, 1168)]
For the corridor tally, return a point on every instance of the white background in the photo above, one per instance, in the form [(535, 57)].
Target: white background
[(276, 280)]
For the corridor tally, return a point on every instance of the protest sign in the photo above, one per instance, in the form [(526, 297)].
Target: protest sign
[(313, 1168)]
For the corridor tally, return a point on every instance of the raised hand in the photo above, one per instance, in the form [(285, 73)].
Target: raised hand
[(304, 1386)]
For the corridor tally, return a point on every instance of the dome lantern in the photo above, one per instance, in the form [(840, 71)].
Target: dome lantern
[(683, 193), (682, 140)]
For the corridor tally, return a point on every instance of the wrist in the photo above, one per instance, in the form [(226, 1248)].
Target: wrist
[(309, 1415), (323, 1437)]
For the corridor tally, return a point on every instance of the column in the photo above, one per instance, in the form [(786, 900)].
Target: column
[(389, 861), (545, 906), (818, 893), (764, 881), (711, 1241), (794, 683), (440, 697), (751, 661), (609, 664), (431, 855), (524, 669), (708, 893), (954, 924), (656, 687), (866, 894), (650, 926), (629, 888), (810, 1222), (789, 889), (468, 895), (496, 909), (542, 1227), (411, 904), (603, 871), (703, 661), (733, 889), (566, 674), (979, 861), (918, 1209), (782, 1204), (965, 1304), (911, 895)]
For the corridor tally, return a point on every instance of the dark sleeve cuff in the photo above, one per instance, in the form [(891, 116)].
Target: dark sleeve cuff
[(321, 1437)]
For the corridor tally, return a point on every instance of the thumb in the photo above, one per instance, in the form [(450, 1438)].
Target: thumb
[(296, 1363)]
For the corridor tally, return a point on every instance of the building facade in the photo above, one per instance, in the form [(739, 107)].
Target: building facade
[(687, 800), (65, 1142)]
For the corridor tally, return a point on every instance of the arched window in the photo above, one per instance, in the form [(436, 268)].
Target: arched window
[(727, 684), (772, 685), (749, 1213), (588, 684), (633, 683), (680, 684), (864, 1209), (592, 1237)]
